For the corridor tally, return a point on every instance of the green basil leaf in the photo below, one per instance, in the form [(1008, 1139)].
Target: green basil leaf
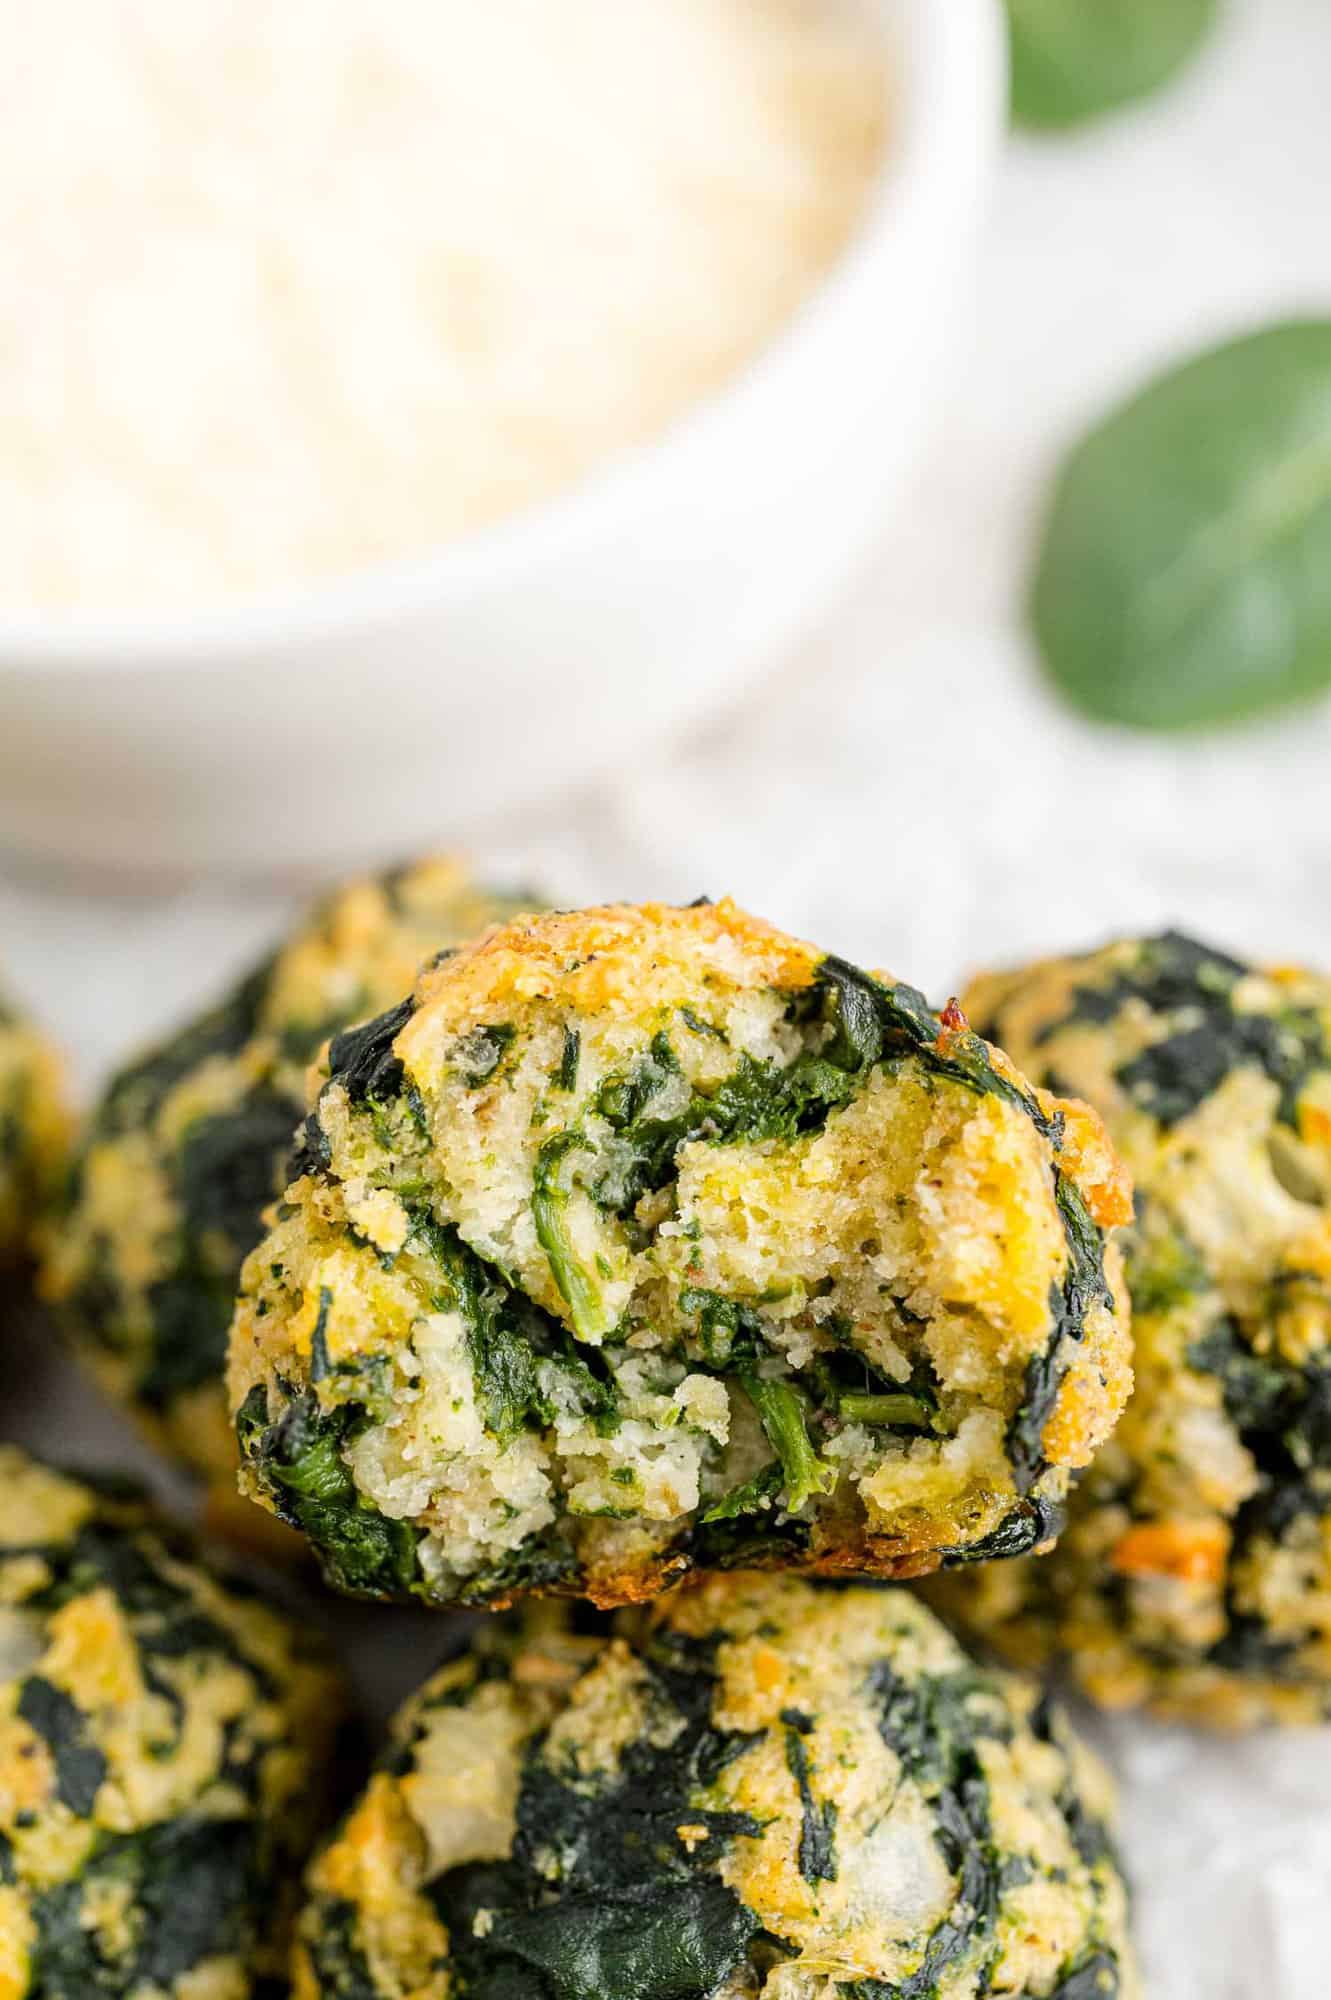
[(1074, 59), (1185, 576)]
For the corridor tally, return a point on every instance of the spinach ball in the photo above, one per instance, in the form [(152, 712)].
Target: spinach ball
[(763, 1786), (190, 1143), (164, 1742), (1195, 1575), (33, 1132), (641, 1239)]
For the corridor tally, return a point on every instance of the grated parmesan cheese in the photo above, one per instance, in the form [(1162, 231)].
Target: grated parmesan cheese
[(292, 289)]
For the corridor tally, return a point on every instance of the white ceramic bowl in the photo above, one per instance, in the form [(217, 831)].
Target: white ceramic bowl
[(419, 701)]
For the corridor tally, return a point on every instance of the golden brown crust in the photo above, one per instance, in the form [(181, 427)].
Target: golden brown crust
[(602, 962)]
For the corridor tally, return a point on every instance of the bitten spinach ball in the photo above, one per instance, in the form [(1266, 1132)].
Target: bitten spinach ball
[(164, 1743), (763, 1786), (33, 1133), (641, 1239), (190, 1144), (1195, 1574)]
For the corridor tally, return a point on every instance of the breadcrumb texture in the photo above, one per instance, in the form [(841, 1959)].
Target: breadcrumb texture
[(190, 1143), (762, 1786), (34, 1132), (164, 1742), (1195, 1574), (641, 1239)]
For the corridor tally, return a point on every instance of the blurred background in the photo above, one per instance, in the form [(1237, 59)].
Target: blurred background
[(904, 781), (890, 768)]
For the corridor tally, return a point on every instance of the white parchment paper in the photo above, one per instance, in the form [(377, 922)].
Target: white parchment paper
[(905, 792)]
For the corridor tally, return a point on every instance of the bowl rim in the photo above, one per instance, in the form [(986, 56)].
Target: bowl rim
[(948, 80)]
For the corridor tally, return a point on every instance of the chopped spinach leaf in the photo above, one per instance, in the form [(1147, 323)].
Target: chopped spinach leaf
[(736, 1540), (1281, 1411), (228, 1168), (299, 1461), (781, 1411), (1259, 1390), (729, 1332), (1191, 989), (566, 1076), (1082, 1287), (340, 1965), (592, 1317), (1030, 1523), (601, 1948), (193, 1884), (362, 1059), (760, 1100), (899, 1410), (855, 1010), (311, 1153), (911, 1027), (645, 1135), (1249, 1647), (817, 1849), (751, 1496), (502, 1356), (543, 1562), (1170, 972), (931, 1723), (1093, 1979), (79, 1765), (138, 1092), (191, 1311), (632, 1909), (319, 1362)]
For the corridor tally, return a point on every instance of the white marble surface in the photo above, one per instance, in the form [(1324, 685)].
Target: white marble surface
[(906, 791)]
